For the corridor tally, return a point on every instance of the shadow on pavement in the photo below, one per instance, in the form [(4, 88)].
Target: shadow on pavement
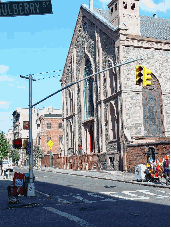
[(96, 209)]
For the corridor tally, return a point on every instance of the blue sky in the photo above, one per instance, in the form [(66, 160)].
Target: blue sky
[(40, 43)]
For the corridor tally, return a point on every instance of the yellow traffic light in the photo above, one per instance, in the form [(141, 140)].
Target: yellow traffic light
[(138, 74), (147, 77)]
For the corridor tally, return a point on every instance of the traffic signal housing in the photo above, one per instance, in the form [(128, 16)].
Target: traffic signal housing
[(147, 77), (17, 143), (138, 74), (28, 148)]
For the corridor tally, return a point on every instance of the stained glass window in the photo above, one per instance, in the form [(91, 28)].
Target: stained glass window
[(88, 91)]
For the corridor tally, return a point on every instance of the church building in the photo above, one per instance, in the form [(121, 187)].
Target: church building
[(109, 122)]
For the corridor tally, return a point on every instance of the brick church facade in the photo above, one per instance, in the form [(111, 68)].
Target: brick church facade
[(108, 121)]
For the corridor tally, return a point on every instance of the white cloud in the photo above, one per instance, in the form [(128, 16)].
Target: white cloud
[(5, 104), (10, 84), (3, 69), (150, 6), (105, 1), (6, 78), (21, 87)]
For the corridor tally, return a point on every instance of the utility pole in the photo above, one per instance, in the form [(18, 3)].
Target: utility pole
[(30, 188)]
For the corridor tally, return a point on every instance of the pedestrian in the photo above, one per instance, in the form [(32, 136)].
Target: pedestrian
[(166, 167)]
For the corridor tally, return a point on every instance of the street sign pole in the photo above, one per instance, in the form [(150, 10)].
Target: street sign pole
[(50, 157), (31, 188)]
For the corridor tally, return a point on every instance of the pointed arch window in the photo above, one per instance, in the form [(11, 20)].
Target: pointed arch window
[(112, 122), (70, 97), (88, 91), (153, 109), (70, 135), (111, 80)]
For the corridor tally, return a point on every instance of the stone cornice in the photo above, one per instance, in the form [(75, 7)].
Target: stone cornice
[(144, 42), (148, 143)]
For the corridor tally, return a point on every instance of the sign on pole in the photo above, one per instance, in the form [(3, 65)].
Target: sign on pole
[(25, 8), (50, 143)]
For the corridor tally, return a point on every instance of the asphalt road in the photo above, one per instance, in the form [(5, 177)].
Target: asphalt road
[(74, 201)]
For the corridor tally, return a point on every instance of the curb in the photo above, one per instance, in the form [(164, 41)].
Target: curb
[(124, 181), (104, 178)]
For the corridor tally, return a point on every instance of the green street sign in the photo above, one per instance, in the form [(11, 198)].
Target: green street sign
[(26, 8)]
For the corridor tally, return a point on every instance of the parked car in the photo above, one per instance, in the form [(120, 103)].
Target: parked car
[(7, 165)]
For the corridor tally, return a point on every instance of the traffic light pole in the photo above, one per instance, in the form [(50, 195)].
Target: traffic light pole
[(30, 188)]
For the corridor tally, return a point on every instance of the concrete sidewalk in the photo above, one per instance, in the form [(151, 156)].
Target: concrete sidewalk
[(119, 176)]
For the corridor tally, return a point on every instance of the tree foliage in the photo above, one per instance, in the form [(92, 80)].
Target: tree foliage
[(15, 155), (4, 147), (37, 152)]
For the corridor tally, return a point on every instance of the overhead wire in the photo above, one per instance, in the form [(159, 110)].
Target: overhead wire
[(46, 76)]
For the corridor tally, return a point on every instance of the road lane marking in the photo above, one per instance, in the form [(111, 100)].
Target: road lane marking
[(84, 200), (42, 193), (81, 222), (112, 200), (147, 192), (128, 193), (107, 193), (160, 196), (124, 197), (60, 200), (93, 194)]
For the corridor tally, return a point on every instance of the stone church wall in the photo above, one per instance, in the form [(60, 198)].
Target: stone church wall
[(157, 61)]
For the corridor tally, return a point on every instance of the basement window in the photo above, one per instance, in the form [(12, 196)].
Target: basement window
[(132, 6)]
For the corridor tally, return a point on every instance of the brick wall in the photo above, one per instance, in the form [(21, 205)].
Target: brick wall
[(46, 161), (83, 162), (136, 155), (54, 133)]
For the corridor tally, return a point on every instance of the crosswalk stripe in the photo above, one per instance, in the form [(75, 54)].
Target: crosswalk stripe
[(85, 200)]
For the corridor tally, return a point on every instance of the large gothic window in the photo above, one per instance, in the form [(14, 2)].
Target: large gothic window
[(112, 122), (88, 91), (152, 109)]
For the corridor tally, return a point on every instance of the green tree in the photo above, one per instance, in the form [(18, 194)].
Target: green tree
[(37, 153), (15, 155), (4, 147)]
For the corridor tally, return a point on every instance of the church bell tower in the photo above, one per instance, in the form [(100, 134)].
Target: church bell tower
[(125, 13)]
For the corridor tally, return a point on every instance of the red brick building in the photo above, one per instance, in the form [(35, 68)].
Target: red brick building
[(50, 129)]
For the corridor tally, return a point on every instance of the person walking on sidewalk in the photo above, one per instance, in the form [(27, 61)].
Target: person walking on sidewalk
[(166, 167)]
